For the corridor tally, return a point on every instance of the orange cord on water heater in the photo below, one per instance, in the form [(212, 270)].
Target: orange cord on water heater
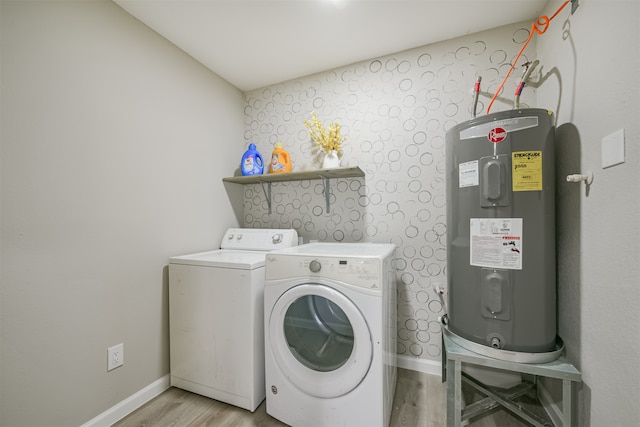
[(543, 21)]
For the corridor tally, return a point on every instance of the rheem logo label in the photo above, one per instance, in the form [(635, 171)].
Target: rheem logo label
[(497, 135)]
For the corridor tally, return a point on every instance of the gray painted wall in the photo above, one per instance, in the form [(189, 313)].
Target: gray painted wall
[(114, 143), (594, 87), (111, 142)]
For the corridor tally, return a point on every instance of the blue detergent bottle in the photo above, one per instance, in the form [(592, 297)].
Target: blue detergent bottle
[(252, 163)]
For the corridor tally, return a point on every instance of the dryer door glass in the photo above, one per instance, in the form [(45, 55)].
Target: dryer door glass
[(320, 339), (318, 333)]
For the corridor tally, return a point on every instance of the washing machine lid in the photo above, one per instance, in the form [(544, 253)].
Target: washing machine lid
[(242, 248), (359, 250), (223, 258)]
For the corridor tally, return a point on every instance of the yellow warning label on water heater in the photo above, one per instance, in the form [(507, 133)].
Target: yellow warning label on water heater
[(526, 171)]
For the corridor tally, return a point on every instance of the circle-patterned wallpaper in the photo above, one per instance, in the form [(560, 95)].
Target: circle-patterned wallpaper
[(395, 112)]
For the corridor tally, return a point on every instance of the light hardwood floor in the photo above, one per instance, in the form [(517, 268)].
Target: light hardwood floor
[(420, 400)]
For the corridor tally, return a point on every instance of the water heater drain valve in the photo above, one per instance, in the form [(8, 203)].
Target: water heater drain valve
[(587, 178)]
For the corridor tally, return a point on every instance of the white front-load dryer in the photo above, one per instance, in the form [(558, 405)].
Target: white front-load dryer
[(330, 334)]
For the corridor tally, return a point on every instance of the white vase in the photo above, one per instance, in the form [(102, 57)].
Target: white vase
[(331, 160)]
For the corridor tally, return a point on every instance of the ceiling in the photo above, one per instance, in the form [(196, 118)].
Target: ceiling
[(256, 43)]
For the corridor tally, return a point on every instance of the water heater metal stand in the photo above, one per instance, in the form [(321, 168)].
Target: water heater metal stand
[(454, 355)]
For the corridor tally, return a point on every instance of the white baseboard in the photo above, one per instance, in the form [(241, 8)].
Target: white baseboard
[(130, 404), (431, 367), (136, 400)]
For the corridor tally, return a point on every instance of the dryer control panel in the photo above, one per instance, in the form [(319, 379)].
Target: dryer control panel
[(360, 272)]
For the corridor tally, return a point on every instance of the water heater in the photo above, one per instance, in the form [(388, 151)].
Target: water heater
[(501, 258)]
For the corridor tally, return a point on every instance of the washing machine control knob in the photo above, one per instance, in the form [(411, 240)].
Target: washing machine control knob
[(315, 266), (277, 238)]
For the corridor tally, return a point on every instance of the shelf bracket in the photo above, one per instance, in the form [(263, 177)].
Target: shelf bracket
[(327, 192), (267, 194)]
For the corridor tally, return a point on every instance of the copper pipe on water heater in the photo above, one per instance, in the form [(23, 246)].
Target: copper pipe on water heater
[(523, 81), (476, 94)]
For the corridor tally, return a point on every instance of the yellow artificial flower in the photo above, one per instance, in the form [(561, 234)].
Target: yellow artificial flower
[(328, 139)]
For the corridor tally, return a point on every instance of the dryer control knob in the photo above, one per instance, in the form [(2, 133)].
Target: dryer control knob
[(315, 266)]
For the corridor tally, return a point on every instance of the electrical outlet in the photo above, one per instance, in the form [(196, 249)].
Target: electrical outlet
[(115, 356)]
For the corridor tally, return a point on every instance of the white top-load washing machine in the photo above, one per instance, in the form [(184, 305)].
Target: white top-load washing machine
[(216, 316), (330, 334)]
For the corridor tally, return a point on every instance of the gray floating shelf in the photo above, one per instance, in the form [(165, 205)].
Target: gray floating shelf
[(324, 174), (298, 176)]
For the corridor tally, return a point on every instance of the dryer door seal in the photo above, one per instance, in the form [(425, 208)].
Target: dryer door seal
[(320, 340)]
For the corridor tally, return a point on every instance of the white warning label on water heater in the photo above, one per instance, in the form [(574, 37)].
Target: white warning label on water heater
[(468, 174), (496, 243)]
